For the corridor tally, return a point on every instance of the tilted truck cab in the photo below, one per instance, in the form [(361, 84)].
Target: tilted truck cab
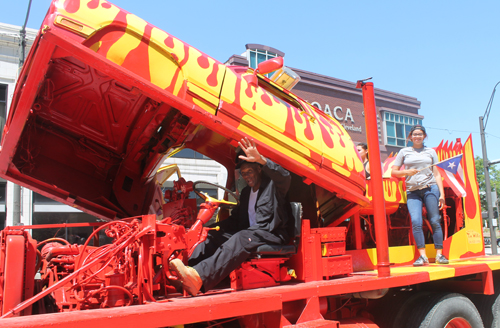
[(105, 97), (142, 96)]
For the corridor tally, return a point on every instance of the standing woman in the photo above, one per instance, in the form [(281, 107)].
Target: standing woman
[(363, 152), (423, 186)]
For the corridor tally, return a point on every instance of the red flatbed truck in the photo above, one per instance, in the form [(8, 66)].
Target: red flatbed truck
[(104, 97)]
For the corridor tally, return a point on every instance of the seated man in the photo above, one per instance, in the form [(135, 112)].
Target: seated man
[(261, 218)]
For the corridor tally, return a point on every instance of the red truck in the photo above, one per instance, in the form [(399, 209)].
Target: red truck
[(104, 97)]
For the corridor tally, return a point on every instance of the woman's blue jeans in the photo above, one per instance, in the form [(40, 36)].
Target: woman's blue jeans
[(416, 198)]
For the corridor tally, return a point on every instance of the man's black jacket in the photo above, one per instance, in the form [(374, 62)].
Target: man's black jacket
[(272, 209)]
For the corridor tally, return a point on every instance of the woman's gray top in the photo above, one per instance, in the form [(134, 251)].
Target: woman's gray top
[(418, 158)]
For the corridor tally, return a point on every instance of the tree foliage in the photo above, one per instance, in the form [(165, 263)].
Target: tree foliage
[(494, 181)]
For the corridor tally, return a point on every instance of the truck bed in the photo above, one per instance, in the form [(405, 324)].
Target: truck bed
[(221, 304)]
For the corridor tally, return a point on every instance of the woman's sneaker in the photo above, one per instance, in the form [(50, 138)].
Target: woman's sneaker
[(441, 259), (422, 260)]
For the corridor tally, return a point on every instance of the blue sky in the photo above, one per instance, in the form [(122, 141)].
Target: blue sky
[(444, 53)]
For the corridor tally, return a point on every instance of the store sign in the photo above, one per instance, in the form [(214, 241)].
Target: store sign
[(345, 117)]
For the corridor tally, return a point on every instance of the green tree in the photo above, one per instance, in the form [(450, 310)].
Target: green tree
[(494, 181)]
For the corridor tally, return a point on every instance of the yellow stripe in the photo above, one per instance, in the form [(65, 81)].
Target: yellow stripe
[(253, 127), (129, 41), (436, 272), (203, 94)]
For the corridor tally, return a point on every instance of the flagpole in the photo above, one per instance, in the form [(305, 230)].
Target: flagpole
[(427, 167)]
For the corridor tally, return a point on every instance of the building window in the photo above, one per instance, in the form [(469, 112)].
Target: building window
[(3, 107), (189, 153), (397, 128), (257, 56)]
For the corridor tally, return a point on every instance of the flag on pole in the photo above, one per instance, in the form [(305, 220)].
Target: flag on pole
[(452, 172), (450, 164)]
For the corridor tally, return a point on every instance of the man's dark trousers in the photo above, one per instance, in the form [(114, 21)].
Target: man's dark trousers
[(223, 252)]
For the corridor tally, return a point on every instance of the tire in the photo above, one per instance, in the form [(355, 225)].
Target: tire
[(489, 308), (438, 310), (496, 313), (489, 305)]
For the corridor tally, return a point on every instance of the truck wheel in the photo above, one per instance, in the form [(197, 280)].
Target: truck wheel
[(438, 310), (489, 305), (489, 308)]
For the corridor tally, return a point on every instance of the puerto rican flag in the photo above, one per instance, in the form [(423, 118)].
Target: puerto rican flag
[(452, 172)]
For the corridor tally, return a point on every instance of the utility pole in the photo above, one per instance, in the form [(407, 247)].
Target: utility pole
[(486, 165), (23, 37), (17, 190), (483, 121)]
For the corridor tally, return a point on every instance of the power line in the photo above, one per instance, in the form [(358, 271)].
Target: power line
[(461, 131), (450, 131), (489, 134)]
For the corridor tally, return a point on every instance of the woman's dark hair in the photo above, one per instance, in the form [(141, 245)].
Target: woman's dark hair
[(417, 127), (365, 147)]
